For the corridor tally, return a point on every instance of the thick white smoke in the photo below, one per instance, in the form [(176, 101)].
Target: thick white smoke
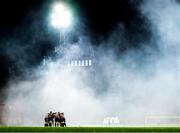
[(131, 87)]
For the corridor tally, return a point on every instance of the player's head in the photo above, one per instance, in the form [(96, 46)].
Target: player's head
[(62, 114)]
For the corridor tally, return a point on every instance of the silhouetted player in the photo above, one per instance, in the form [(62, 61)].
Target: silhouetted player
[(62, 120), (57, 120), (50, 119)]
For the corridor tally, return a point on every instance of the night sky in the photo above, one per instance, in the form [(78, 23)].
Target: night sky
[(100, 18)]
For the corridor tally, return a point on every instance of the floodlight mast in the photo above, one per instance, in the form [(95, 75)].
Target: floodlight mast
[(61, 19)]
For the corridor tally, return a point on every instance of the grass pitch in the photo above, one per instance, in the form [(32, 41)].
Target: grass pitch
[(89, 129)]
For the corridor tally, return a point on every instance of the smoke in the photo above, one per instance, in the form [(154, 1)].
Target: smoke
[(141, 82)]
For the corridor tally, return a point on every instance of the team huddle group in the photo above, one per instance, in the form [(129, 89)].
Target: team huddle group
[(55, 120)]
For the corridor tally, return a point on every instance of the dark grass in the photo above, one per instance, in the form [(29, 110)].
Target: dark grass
[(89, 129)]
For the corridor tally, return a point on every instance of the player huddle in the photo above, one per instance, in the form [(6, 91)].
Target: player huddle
[(55, 120)]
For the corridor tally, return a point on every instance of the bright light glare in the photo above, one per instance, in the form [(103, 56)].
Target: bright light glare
[(61, 17)]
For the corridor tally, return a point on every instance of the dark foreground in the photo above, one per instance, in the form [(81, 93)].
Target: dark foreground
[(89, 129)]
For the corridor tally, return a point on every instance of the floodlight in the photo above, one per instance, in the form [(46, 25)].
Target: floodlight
[(61, 17)]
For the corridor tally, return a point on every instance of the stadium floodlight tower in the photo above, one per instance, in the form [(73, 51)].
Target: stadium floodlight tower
[(61, 19)]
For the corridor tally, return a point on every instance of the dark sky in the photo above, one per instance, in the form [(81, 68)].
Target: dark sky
[(100, 18)]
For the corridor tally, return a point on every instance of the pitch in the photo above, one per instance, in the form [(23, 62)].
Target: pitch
[(89, 129)]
